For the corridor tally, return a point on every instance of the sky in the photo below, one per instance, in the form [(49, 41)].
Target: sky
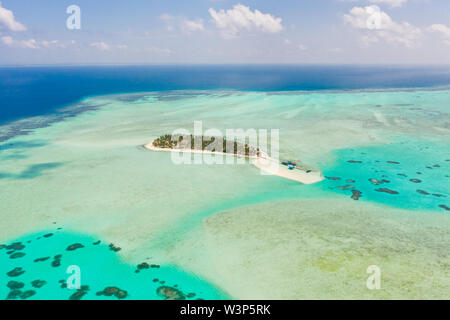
[(224, 31)]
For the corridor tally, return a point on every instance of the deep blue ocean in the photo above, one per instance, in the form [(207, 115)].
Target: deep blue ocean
[(30, 91)]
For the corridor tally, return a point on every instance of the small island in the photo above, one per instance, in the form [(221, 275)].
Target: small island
[(204, 145), (194, 142)]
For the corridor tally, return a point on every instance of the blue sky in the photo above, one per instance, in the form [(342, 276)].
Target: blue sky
[(225, 31)]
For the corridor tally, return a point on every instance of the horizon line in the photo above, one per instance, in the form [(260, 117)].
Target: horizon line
[(225, 64)]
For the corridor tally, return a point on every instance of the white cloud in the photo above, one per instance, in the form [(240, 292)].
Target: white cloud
[(28, 44), (8, 41), (8, 21), (241, 17), (100, 46), (392, 3), (443, 30), (31, 44), (189, 26), (166, 17), (378, 26), (160, 51), (53, 44), (300, 46)]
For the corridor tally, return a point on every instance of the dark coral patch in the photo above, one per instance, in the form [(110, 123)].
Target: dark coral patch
[(377, 182), (443, 206), (143, 265), (17, 255), (41, 259), (77, 295), (354, 161), (15, 246), (56, 261), (170, 293), (48, 235), (347, 187), (333, 178), (80, 293), (96, 243), (15, 284), (27, 294), (74, 246), (393, 162), (14, 294), (122, 294), (15, 272), (114, 248), (356, 194), (113, 291), (423, 192), (386, 190), (38, 283), (438, 195)]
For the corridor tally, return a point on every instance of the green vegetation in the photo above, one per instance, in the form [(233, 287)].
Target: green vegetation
[(193, 142)]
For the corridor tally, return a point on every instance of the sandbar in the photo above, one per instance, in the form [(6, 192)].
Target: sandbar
[(267, 165)]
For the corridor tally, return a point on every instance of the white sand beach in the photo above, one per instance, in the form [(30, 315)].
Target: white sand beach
[(267, 165)]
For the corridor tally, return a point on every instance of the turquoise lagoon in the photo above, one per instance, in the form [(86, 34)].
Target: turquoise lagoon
[(418, 173), (89, 174), (100, 267)]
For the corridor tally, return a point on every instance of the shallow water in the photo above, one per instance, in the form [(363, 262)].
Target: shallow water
[(89, 174), (418, 173), (100, 267)]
